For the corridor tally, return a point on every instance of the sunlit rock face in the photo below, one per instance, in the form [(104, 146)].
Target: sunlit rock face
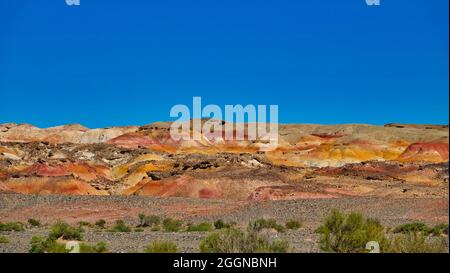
[(309, 161)]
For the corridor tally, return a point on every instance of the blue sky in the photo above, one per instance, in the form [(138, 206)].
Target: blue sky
[(108, 63)]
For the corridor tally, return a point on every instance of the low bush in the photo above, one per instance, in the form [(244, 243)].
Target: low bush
[(84, 224), (62, 230), (34, 222), (161, 247), (120, 226), (262, 223), (49, 245), (11, 226), (279, 246), (440, 229), (416, 242), (65, 231), (46, 245), (4, 240), (232, 240), (202, 227), (138, 230), (419, 227), (219, 224), (97, 248), (350, 233), (172, 225), (100, 223), (155, 228), (414, 227), (141, 219), (293, 224), (148, 220)]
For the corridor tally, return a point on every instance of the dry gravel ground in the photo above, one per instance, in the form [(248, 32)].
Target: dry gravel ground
[(15, 207)]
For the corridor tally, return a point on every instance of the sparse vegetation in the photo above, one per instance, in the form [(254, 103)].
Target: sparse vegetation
[(50, 245), (161, 247), (97, 248), (424, 229), (414, 227), (202, 227), (219, 224), (65, 231), (141, 219), (347, 233), (4, 240), (350, 233), (46, 245), (62, 230), (84, 224), (38, 244), (293, 224), (11, 226), (34, 222), (232, 240), (155, 228), (262, 223), (172, 225), (100, 223), (440, 229), (279, 246), (148, 220), (138, 230), (416, 242), (120, 226)]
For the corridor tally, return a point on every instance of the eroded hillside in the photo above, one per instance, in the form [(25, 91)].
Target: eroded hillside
[(311, 161)]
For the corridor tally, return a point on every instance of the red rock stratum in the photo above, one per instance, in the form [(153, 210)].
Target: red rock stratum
[(309, 162)]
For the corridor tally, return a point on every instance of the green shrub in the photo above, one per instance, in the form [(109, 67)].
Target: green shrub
[(161, 247), (141, 219), (84, 224), (149, 220), (232, 240), (65, 231), (4, 240), (138, 230), (43, 245), (97, 248), (11, 226), (262, 223), (419, 227), (440, 229), (172, 225), (55, 247), (293, 224), (413, 227), (279, 246), (120, 226), (38, 244), (34, 222), (202, 227), (155, 228), (100, 223), (219, 224), (349, 233), (46, 245), (416, 242), (49, 245)]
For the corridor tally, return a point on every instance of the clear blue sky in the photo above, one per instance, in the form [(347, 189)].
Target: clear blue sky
[(107, 63)]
